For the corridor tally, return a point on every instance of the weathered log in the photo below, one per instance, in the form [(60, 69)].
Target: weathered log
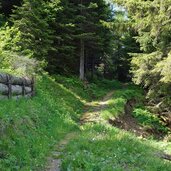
[(20, 96), (16, 90), (28, 95), (3, 78), (16, 80), (28, 90), (3, 89), (16, 97), (27, 81)]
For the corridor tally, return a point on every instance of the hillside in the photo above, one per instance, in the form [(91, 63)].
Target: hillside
[(31, 128)]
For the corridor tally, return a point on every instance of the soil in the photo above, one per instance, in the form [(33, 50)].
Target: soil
[(127, 122), (93, 110)]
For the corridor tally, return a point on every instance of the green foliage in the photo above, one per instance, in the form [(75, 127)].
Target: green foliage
[(93, 90), (79, 21), (116, 105), (149, 120), (123, 44), (115, 108), (12, 60), (151, 68), (102, 148), (36, 35), (26, 38)]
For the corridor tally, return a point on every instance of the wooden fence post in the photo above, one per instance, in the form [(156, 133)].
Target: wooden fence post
[(9, 86), (23, 87), (32, 87)]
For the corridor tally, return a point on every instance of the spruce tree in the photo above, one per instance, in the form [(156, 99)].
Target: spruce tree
[(151, 68), (81, 38), (32, 21)]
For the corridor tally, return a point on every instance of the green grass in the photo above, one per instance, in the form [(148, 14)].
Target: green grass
[(91, 91), (117, 103), (149, 120), (101, 147), (29, 128), (144, 117), (106, 148)]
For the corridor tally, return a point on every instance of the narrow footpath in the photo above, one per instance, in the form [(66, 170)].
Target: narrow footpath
[(91, 114)]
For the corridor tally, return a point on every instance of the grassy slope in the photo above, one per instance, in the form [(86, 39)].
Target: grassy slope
[(30, 128), (104, 148)]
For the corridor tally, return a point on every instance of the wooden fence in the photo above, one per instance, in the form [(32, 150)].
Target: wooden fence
[(16, 87)]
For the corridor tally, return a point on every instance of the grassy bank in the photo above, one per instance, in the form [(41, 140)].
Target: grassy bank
[(106, 148), (29, 128), (102, 147)]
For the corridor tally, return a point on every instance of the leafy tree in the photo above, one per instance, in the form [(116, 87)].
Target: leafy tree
[(11, 61)]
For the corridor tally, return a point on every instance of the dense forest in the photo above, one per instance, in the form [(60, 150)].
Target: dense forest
[(86, 37), (93, 39), (93, 42)]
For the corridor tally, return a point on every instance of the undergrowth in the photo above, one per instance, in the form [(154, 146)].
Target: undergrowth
[(116, 107), (149, 120), (88, 90)]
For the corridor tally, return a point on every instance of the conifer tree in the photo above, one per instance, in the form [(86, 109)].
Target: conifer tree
[(152, 68), (81, 38), (32, 21)]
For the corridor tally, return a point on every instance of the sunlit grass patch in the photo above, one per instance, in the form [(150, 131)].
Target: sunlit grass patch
[(107, 148), (116, 106), (149, 120)]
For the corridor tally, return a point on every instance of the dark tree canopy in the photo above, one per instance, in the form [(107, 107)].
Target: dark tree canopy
[(8, 5)]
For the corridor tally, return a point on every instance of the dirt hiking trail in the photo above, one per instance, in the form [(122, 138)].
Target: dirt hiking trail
[(91, 114)]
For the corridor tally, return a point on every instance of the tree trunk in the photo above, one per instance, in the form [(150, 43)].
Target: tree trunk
[(82, 60)]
